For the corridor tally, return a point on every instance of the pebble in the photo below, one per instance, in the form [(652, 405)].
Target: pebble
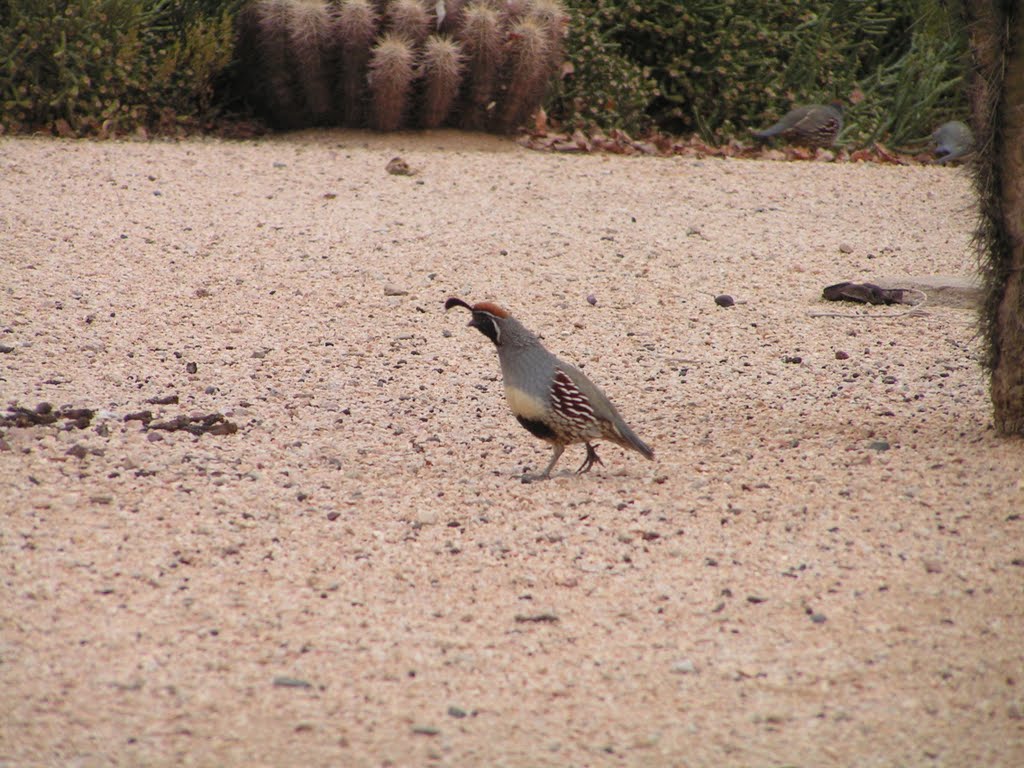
[(724, 300), (684, 667), (818, 618), (425, 730), (840, 355), (879, 445), (427, 517), (456, 712), (291, 682), (591, 299), (391, 290), (398, 167), (191, 368), (77, 450), (845, 248)]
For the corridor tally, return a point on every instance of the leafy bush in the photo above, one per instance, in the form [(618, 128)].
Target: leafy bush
[(98, 66), (604, 88), (722, 67)]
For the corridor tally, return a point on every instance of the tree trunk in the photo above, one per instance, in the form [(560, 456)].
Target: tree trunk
[(997, 100)]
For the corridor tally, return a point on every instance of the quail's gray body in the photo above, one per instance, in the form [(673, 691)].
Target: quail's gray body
[(816, 125), (953, 140), (552, 399)]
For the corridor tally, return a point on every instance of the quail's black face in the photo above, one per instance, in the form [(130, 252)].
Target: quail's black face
[(487, 324), (486, 317)]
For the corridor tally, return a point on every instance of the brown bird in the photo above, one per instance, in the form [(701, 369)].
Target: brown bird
[(814, 125), (553, 400)]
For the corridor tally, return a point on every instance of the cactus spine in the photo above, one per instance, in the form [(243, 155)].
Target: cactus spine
[(392, 68), (441, 72), (356, 26), (527, 72), (310, 32), (481, 39)]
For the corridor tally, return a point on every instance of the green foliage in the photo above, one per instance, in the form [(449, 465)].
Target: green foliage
[(919, 85), (99, 66), (605, 89), (723, 67)]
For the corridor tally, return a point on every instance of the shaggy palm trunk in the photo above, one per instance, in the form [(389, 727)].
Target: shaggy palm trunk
[(997, 45)]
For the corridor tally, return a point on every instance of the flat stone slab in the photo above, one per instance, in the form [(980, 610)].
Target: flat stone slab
[(942, 290)]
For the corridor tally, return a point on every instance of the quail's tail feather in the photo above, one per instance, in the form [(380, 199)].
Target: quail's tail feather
[(631, 439), (767, 133)]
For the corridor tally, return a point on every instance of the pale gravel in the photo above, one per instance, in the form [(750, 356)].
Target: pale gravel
[(153, 591)]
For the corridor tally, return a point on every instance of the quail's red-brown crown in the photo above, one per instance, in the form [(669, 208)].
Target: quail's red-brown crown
[(490, 308)]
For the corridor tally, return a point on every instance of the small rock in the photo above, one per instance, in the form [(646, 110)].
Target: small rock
[(818, 618), (755, 599), (591, 299), (332, 516), (398, 167), (879, 445), (391, 290), (154, 437), (932, 566), (456, 712), (425, 730), (427, 517), (794, 359), (724, 300), (845, 248), (888, 379), (840, 355), (5, 349), (684, 667), (291, 682), (77, 450), (191, 368)]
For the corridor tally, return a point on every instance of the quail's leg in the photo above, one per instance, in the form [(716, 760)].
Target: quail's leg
[(555, 454), (591, 460)]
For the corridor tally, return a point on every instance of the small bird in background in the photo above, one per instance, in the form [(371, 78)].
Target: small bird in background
[(813, 125), (953, 140), (553, 400)]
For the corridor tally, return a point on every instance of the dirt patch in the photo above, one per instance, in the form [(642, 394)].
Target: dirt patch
[(823, 565)]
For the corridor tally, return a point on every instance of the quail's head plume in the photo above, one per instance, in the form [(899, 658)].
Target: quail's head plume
[(551, 399), (813, 125)]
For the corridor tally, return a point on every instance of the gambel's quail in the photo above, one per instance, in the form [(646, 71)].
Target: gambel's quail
[(815, 125), (953, 141), (555, 401)]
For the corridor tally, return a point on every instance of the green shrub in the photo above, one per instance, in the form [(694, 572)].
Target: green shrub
[(92, 66), (722, 67), (605, 88)]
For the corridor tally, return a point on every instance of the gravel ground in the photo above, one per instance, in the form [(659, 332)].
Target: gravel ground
[(315, 548)]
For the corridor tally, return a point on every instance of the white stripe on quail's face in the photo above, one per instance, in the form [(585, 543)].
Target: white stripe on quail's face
[(569, 403)]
